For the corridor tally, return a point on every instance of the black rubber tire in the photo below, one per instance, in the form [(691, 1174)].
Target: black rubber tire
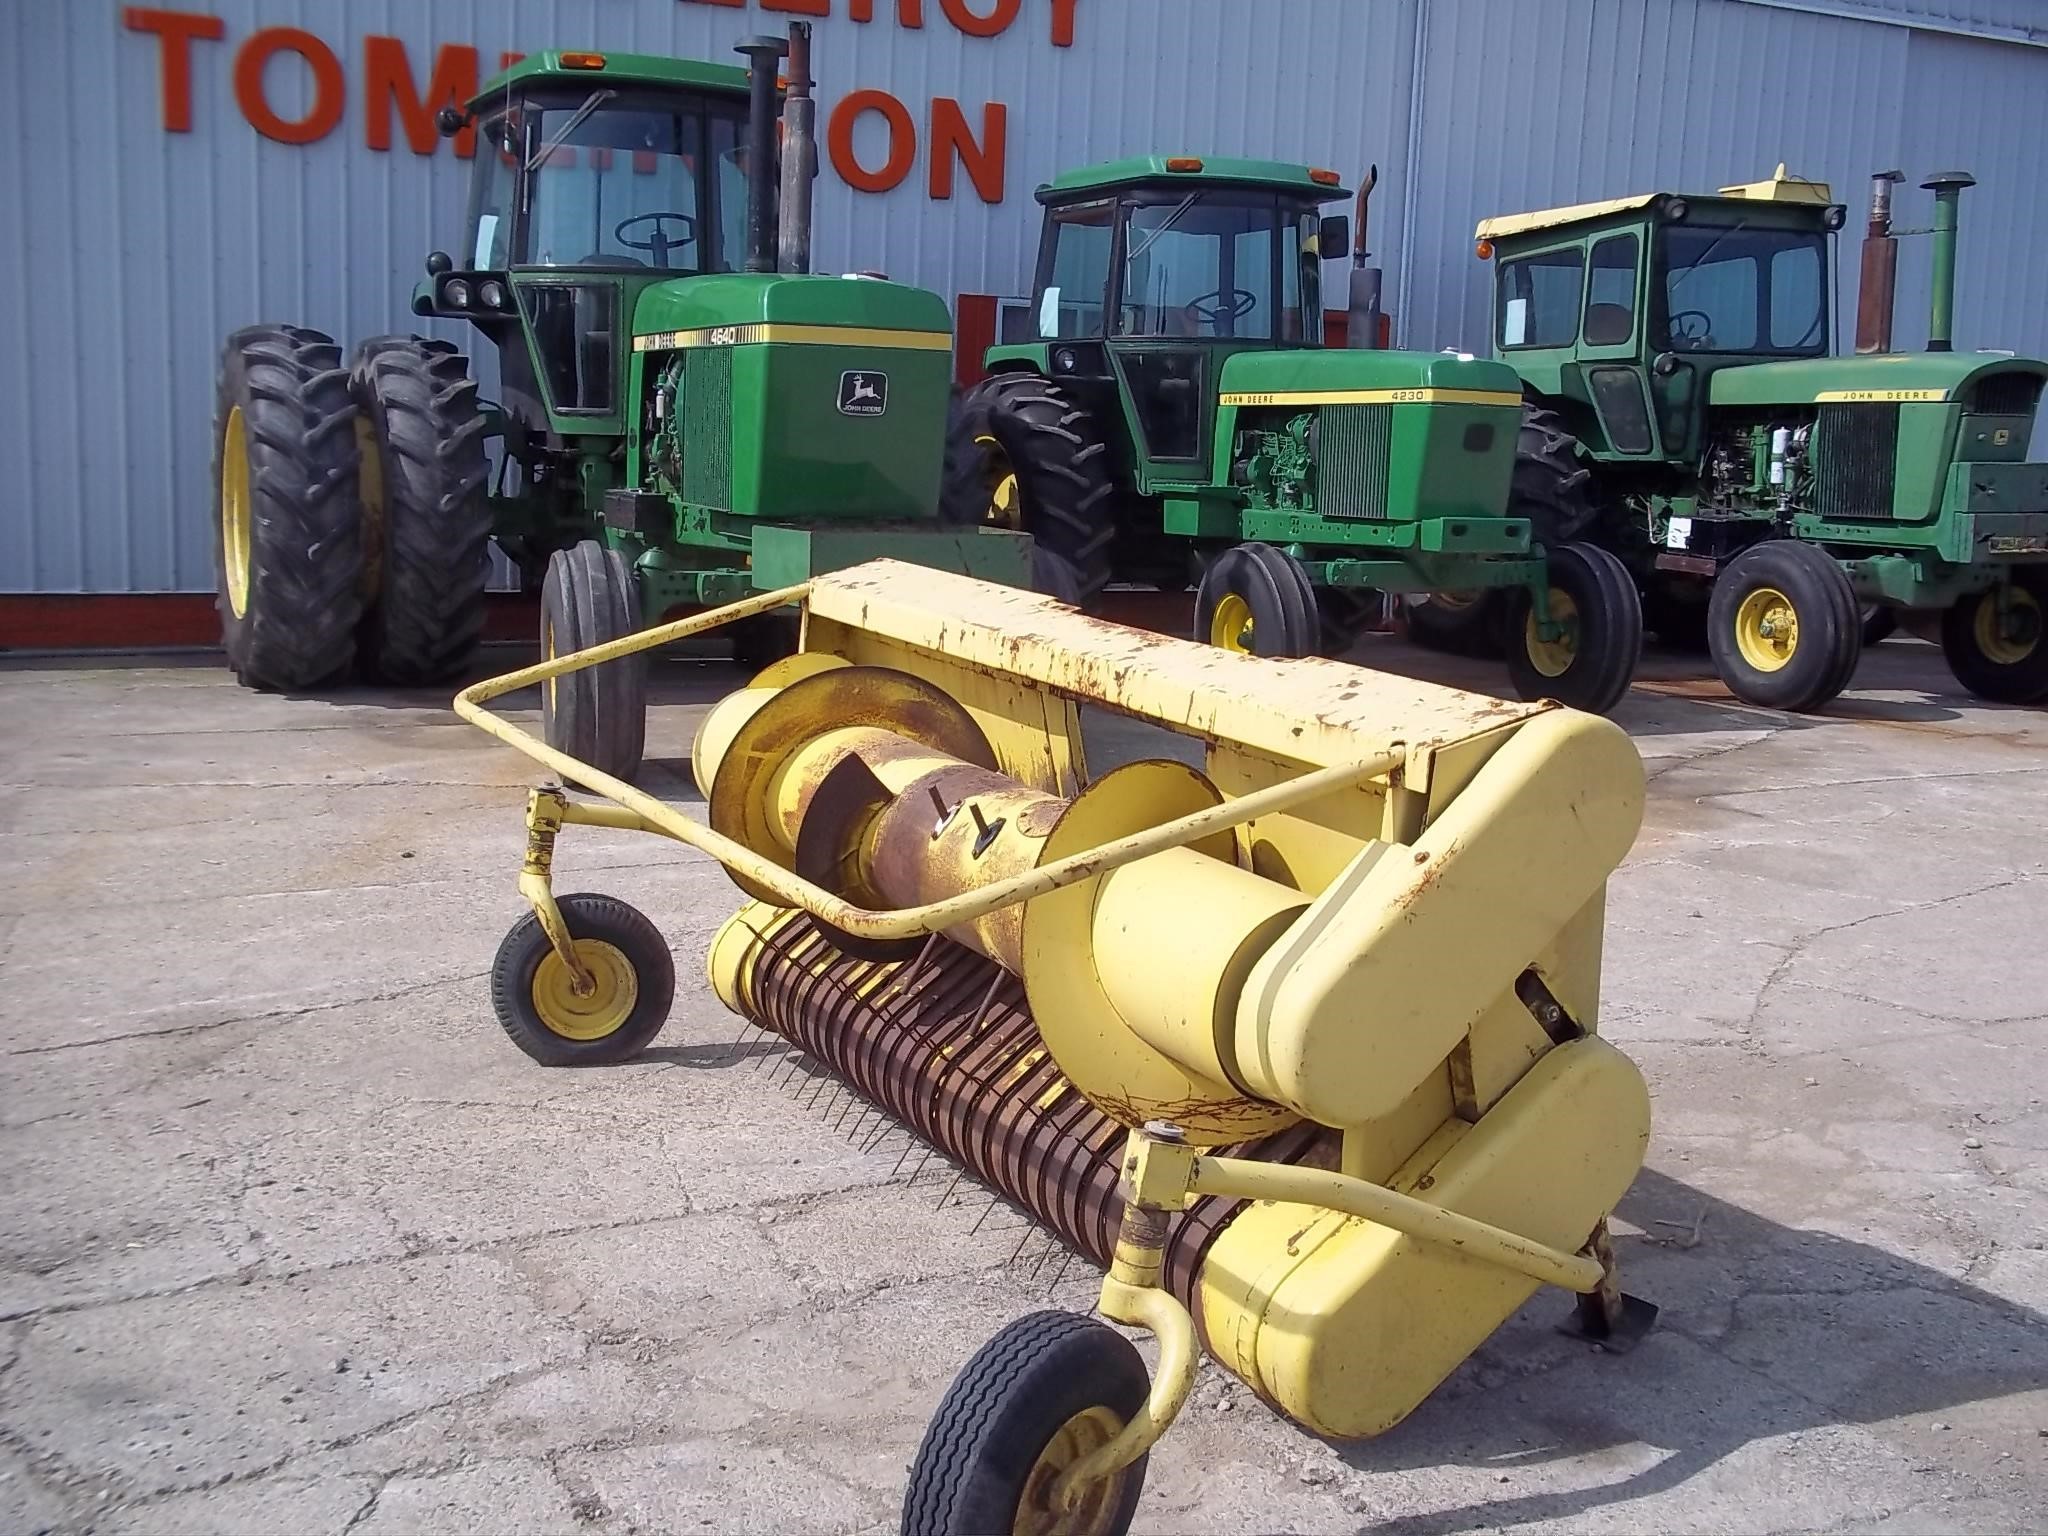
[(2021, 681), (427, 519), (297, 628), (1276, 590), (1879, 623), (1824, 606), (1345, 613), (1553, 486), (588, 916), (1478, 628), (1679, 623), (1001, 1412), (1609, 641), (1061, 461), (598, 715)]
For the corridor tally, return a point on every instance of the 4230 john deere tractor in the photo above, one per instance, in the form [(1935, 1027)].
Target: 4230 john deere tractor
[(1179, 417), (682, 423), (1767, 496)]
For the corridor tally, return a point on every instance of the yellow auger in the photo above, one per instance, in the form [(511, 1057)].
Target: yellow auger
[(1298, 1046)]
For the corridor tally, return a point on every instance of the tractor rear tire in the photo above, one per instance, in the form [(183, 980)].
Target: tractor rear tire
[(1552, 487), (1047, 1389), (288, 535), (1784, 627), (1020, 453), (2008, 666), (1256, 600), (1459, 623), (427, 520), (1589, 668), (1345, 613), (597, 715)]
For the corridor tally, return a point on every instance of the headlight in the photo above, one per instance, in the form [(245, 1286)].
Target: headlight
[(1677, 209), (1063, 360), (493, 295), (456, 293)]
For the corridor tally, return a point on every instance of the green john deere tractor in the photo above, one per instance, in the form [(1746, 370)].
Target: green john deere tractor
[(1772, 500), (1179, 418), (681, 423)]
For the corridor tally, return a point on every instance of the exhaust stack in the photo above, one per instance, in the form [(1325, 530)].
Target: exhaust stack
[(1879, 286), (799, 155), (1364, 309), (1947, 187), (761, 54)]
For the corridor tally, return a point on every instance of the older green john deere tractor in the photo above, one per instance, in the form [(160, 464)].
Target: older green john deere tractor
[(681, 423), (1766, 495), (1179, 410)]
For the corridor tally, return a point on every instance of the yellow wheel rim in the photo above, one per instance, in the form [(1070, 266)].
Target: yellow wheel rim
[(234, 511), (1231, 626), (1095, 1507), (1552, 658), (2012, 642), (604, 1009), (1766, 629), (1005, 499)]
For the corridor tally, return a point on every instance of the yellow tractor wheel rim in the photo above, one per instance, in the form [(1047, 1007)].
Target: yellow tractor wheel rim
[(1554, 658), (1231, 626), (1005, 499), (1767, 629), (1095, 1504), (600, 1012), (235, 520), (2010, 643)]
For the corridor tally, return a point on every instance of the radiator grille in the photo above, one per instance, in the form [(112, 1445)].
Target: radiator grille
[(2005, 394), (1351, 460), (1855, 460), (707, 427)]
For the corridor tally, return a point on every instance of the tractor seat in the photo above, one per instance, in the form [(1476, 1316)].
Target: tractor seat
[(1608, 325)]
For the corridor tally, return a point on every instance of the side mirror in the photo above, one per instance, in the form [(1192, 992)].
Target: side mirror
[(439, 262), (451, 121), (1333, 238)]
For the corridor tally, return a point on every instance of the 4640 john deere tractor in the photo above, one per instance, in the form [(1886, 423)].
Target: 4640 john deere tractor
[(682, 424), (1766, 495), (1178, 416)]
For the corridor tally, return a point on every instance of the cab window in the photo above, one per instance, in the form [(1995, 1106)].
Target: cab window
[(1611, 292), (1538, 299), (1744, 290)]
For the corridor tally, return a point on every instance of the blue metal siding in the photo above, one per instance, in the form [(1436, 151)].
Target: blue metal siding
[(135, 251)]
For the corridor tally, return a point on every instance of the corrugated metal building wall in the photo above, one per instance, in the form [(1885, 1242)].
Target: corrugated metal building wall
[(133, 250)]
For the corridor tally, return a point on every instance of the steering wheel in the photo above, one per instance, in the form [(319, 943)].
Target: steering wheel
[(657, 244), (1684, 332), (1220, 305)]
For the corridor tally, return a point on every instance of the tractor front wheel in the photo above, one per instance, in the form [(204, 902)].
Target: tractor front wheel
[(1998, 648), (1044, 1392), (1784, 627), (426, 517), (1257, 600), (1592, 600), (632, 983), (599, 714), (288, 546), (1021, 454)]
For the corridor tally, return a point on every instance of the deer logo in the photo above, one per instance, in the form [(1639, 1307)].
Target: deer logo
[(863, 394)]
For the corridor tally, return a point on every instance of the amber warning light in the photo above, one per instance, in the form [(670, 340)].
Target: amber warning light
[(1183, 163), (583, 61)]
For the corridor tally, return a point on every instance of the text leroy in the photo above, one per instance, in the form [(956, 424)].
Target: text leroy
[(395, 103)]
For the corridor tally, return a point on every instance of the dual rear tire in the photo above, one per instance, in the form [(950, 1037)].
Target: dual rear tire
[(353, 527)]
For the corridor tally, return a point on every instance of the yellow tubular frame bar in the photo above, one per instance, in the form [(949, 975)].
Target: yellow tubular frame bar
[(640, 811)]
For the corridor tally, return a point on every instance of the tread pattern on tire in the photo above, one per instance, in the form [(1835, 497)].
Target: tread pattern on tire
[(1276, 588), (967, 1416), (1830, 621), (427, 615), (599, 715), (1062, 465), (588, 916), (306, 555), (1552, 486), (1610, 632)]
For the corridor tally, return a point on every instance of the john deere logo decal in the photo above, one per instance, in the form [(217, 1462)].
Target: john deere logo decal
[(863, 394)]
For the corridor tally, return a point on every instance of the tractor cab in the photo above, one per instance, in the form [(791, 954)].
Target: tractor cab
[(1620, 312), (595, 177), (1153, 271)]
